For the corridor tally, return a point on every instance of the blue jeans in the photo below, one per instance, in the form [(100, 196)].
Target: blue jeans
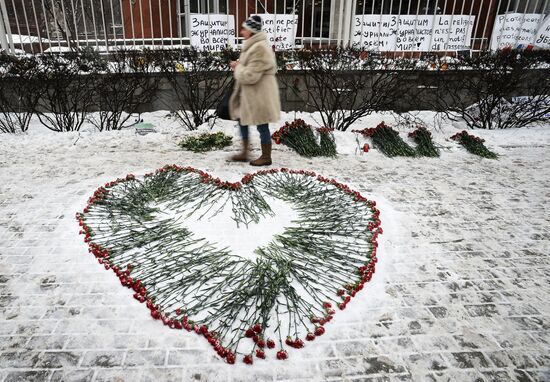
[(265, 136)]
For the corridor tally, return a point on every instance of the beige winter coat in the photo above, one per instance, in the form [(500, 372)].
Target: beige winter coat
[(255, 99)]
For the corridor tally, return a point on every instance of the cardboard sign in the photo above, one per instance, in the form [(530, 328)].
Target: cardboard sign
[(213, 32), (542, 38), (413, 32), (452, 32), (513, 29), (280, 30)]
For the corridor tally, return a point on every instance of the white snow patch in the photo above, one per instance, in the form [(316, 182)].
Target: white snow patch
[(241, 240)]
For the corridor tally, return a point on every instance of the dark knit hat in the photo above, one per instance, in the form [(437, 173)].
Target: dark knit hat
[(253, 24)]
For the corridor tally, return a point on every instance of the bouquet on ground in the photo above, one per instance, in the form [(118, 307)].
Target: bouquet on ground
[(474, 144), (206, 142), (425, 145), (387, 140), (299, 136)]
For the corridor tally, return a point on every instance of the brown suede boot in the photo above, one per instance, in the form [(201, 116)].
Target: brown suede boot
[(243, 155), (265, 159)]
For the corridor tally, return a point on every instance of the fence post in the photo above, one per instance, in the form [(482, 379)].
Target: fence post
[(6, 39), (3, 38), (348, 17)]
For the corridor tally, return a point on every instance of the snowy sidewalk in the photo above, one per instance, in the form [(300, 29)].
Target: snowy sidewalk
[(461, 293)]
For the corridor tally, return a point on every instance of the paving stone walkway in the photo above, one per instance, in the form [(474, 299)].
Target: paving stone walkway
[(462, 293)]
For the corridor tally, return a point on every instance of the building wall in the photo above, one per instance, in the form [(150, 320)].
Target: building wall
[(147, 19), (328, 19)]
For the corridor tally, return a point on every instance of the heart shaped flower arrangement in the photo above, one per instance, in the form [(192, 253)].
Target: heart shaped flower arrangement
[(243, 306)]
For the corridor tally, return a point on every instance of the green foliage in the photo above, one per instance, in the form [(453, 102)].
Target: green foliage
[(474, 145), (298, 135), (425, 145), (285, 295), (388, 141), (206, 142)]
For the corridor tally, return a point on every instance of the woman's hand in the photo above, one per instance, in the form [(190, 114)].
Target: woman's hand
[(233, 64)]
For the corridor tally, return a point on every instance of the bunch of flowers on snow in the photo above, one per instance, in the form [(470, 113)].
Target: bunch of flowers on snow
[(205, 142), (245, 309), (387, 140), (327, 145), (298, 135), (425, 145), (474, 144)]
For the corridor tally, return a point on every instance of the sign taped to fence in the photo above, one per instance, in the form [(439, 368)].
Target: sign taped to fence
[(280, 29), (514, 29), (413, 32), (542, 39), (212, 31)]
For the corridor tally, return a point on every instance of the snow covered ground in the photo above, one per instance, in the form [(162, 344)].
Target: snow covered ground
[(460, 294)]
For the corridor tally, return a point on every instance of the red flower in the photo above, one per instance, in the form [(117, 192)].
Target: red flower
[(222, 352), (319, 331), (230, 357), (248, 359), (270, 344), (310, 337), (257, 328), (260, 354), (282, 354), (249, 333), (366, 148), (298, 343)]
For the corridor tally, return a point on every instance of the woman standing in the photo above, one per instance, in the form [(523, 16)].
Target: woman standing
[(255, 99)]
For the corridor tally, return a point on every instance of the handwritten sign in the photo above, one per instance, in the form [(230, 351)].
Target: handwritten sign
[(542, 38), (452, 32), (515, 29), (413, 32), (280, 30), (212, 32)]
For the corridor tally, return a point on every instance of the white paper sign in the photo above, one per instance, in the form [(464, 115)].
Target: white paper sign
[(542, 39), (280, 30), (452, 32), (515, 29), (413, 32), (212, 32)]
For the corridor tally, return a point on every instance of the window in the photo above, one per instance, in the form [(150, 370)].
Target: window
[(314, 17), (396, 7), (522, 6), (208, 6)]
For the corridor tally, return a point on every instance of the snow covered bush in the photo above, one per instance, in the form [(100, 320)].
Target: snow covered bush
[(68, 83), (126, 85), (485, 95), (19, 92), (345, 84), (197, 78)]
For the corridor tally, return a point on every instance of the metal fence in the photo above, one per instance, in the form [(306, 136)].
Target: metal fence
[(398, 26)]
